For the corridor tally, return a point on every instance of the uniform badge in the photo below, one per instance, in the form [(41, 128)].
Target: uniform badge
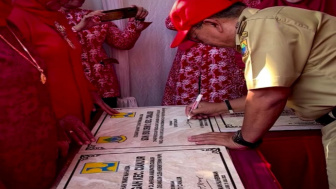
[(244, 34), (244, 48)]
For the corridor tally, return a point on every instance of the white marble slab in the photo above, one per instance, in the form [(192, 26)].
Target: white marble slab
[(193, 167), (287, 121), (166, 126), (150, 127)]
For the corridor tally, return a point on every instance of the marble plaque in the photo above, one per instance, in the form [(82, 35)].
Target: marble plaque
[(287, 121), (194, 167), (146, 127)]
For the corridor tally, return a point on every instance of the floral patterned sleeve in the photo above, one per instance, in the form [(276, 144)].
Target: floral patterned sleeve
[(252, 3), (126, 39)]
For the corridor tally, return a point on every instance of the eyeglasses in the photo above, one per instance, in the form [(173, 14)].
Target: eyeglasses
[(192, 35)]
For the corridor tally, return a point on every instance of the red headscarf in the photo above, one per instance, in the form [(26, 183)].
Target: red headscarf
[(39, 9), (327, 6), (5, 10), (67, 84)]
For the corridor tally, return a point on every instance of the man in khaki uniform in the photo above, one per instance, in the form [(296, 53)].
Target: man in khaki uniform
[(290, 57)]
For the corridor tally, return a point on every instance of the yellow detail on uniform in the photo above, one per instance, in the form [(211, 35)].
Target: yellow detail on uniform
[(244, 48)]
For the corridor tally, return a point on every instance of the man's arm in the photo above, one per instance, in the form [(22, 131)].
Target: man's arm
[(262, 109)]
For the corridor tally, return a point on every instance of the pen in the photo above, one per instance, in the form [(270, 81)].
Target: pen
[(195, 105)]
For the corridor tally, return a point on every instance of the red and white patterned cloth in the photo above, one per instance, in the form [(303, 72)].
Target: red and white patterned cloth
[(220, 76), (219, 68), (102, 75)]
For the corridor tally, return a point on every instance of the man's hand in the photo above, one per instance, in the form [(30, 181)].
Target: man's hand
[(216, 138), (76, 130), (206, 109)]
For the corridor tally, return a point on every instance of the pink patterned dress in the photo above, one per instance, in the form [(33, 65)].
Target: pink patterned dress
[(214, 72), (102, 74)]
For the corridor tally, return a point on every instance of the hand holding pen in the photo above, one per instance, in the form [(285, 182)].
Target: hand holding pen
[(194, 106)]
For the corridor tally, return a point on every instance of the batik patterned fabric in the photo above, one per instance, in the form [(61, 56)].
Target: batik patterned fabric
[(220, 70), (102, 75), (203, 69)]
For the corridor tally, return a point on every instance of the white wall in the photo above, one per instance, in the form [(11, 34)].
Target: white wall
[(92, 5), (151, 57)]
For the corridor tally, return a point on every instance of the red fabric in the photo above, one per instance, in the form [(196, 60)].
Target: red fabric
[(103, 76), (253, 170), (296, 158), (28, 136), (185, 45), (239, 60), (67, 84), (327, 6), (5, 10)]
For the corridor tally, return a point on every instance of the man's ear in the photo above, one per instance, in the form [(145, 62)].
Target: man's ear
[(215, 23)]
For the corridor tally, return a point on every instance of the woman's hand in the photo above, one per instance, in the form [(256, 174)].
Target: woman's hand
[(89, 20), (141, 13), (76, 130)]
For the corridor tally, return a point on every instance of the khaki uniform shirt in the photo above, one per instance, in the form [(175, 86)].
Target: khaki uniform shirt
[(291, 47)]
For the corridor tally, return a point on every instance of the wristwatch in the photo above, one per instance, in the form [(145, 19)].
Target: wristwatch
[(238, 138), (228, 105)]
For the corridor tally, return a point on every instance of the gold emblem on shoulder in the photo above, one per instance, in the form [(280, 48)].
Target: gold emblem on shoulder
[(244, 48)]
